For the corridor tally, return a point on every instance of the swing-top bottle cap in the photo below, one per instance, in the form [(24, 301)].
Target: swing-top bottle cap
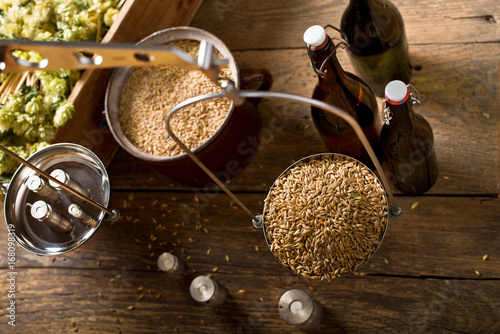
[(315, 35), (396, 91)]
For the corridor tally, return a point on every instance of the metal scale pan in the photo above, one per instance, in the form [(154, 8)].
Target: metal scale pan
[(67, 232)]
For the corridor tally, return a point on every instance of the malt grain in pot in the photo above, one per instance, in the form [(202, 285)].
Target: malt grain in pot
[(226, 152)]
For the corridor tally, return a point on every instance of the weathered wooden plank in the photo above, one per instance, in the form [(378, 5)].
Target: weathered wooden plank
[(97, 301), (422, 279), (459, 94), (281, 24), (440, 237)]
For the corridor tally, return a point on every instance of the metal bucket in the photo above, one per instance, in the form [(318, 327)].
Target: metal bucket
[(335, 247), (61, 231), (221, 152)]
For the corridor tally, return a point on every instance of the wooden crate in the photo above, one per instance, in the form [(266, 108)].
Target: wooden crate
[(136, 20)]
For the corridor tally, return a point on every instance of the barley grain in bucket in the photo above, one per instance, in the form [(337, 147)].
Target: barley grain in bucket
[(325, 216)]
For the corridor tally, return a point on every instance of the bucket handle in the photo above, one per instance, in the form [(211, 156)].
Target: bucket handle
[(239, 96)]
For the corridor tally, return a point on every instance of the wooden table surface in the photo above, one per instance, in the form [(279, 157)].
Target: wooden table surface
[(428, 276)]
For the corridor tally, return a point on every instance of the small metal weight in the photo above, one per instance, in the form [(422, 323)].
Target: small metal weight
[(36, 184), (48, 216), (298, 308), (203, 289), (170, 264), (63, 177), (77, 212), (44, 213)]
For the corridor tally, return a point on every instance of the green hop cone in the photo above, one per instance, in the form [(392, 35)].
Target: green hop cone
[(63, 113), (56, 86), (14, 103), (37, 147), (22, 124), (7, 164), (7, 119)]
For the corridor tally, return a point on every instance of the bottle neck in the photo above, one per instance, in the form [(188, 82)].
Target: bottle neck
[(403, 117), (332, 68)]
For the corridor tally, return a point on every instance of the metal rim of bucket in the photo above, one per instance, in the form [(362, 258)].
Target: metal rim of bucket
[(305, 159), (120, 76), (16, 189)]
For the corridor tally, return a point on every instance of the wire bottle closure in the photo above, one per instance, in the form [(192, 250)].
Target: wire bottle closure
[(413, 96), (342, 42)]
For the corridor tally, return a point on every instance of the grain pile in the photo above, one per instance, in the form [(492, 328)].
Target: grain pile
[(325, 216), (152, 91)]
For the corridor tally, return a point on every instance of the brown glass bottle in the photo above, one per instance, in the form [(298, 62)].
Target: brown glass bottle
[(377, 42), (408, 144), (347, 92)]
